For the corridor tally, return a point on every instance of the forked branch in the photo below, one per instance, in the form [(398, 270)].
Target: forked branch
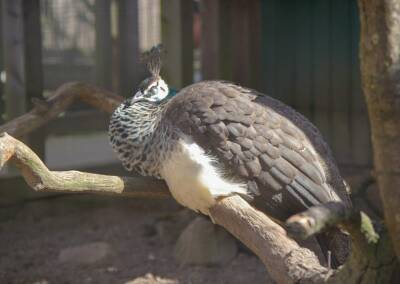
[(286, 261), (63, 97)]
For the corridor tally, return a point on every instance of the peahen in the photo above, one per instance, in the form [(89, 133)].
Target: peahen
[(216, 138)]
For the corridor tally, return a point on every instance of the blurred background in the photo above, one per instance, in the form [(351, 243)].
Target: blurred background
[(304, 53)]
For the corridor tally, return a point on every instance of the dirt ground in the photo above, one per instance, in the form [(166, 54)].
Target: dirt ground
[(89, 239)]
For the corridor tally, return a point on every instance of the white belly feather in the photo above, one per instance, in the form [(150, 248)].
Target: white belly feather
[(193, 180)]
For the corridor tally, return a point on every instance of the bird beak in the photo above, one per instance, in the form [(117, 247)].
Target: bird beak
[(137, 97)]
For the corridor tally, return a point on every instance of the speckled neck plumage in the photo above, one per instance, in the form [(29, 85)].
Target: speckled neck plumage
[(136, 134)]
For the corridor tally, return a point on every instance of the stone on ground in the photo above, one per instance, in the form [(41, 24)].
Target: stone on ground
[(204, 243), (85, 254)]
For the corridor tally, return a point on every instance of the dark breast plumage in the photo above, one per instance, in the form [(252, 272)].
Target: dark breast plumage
[(277, 152)]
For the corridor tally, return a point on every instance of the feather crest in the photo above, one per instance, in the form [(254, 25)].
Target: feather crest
[(153, 59)]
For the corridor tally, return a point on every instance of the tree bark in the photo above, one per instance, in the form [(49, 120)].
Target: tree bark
[(63, 97), (285, 260), (372, 259), (40, 178), (380, 72)]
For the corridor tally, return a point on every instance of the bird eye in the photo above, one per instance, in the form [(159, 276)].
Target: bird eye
[(152, 91)]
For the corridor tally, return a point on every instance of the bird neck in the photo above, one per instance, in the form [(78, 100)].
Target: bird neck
[(137, 133), (145, 117)]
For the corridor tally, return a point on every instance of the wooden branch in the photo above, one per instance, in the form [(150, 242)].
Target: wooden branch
[(40, 178), (316, 219), (63, 97), (284, 259), (380, 73)]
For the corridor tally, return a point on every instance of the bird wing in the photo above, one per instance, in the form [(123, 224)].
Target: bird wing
[(260, 140)]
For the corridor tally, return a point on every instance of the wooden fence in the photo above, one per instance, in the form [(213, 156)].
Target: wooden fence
[(304, 53)]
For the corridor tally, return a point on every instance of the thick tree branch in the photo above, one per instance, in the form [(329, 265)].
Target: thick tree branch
[(283, 257), (380, 73), (285, 260), (63, 97), (40, 178)]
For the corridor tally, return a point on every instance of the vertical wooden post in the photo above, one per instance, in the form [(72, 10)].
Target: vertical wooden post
[(240, 42), (103, 68), (130, 69), (33, 67), (216, 55), (2, 97), (231, 48), (255, 37), (269, 60), (15, 90), (22, 43), (177, 35)]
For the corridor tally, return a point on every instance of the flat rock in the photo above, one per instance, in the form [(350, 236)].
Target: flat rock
[(168, 228), (204, 243), (85, 254)]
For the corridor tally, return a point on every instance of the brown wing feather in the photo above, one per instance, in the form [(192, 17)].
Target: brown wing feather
[(279, 153)]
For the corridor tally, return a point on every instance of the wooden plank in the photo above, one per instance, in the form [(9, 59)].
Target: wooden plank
[(210, 39), (225, 30), (177, 36), (268, 12), (2, 96), (285, 52), (33, 66), (14, 58), (321, 71), (240, 42), (340, 79), (360, 130), (304, 97), (130, 68), (103, 53), (255, 38), (246, 42)]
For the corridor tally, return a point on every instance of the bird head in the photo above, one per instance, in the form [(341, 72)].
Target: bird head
[(152, 89)]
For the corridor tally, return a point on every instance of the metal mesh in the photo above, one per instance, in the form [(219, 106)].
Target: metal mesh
[(68, 29)]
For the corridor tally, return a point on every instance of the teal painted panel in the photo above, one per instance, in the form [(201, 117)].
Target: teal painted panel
[(303, 91), (321, 19), (284, 52), (310, 61), (269, 30), (340, 79)]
